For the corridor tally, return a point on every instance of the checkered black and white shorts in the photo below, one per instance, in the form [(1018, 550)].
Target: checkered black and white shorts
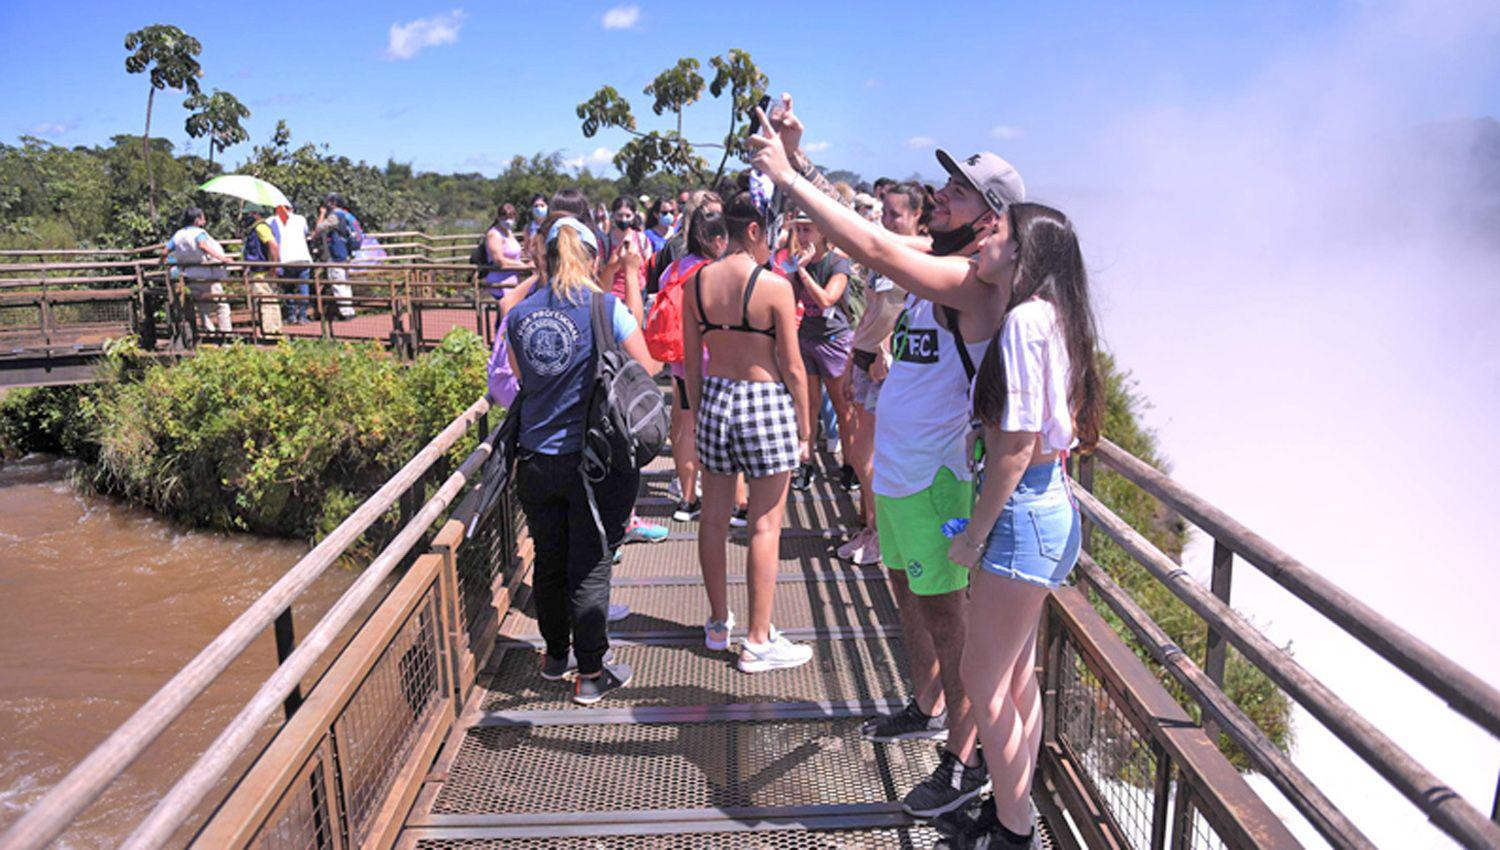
[(747, 426)]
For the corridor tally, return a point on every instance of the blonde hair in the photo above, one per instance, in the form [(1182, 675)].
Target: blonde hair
[(570, 265)]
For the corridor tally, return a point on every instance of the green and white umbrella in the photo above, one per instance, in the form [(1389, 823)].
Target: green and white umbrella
[(249, 189)]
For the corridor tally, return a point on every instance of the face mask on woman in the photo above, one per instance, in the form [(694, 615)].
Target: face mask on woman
[(665, 219), (539, 211), (510, 223), (623, 222)]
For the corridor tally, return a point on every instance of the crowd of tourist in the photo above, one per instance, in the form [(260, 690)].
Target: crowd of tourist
[(277, 235), (948, 331)]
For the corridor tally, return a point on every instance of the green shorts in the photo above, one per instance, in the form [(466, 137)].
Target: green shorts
[(911, 533)]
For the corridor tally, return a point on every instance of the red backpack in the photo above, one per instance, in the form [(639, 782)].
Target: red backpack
[(663, 329)]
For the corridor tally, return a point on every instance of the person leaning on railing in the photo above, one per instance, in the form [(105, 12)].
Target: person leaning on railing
[(201, 259)]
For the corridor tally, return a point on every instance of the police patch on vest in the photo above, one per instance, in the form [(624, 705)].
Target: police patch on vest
[(547, 341), (917, 345)]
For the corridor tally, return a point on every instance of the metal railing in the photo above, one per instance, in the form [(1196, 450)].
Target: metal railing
[(379, 710), (1464, 692)]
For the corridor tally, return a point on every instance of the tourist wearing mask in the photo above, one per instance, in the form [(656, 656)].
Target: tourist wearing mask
[(662, 221), (502, 251), (922, 476), (752, 420), (551, 348), (625, 247), (538, 212)]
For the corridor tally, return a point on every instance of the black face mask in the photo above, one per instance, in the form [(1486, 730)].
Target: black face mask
[(948, 242)]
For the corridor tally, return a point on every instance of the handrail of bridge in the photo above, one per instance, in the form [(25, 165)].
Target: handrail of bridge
[(52, 814), (174, 809), (1465, 692), (1443, 806)]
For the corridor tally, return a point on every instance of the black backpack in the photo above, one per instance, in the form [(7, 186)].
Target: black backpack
[(626, 423), (480, 256)]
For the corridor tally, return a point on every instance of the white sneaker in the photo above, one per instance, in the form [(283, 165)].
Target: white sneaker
[(854, 544), (718, 633), (617, 612), (674, 489), (776, 654), (869, 554)]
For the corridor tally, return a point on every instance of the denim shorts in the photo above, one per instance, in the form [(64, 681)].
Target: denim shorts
[(1037, 537)]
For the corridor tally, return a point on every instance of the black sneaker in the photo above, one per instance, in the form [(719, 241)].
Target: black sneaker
[(906, 724), (847, 479), (588, 691), (688, 511), (802, 478), (972, 819), (557, 669), (949, 787)]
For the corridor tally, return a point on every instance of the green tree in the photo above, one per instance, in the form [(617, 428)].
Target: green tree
[(217, 116), (673, 91), (169, 54)]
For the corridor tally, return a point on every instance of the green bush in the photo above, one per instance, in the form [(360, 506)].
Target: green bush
[(1260, 699), (284, 441)]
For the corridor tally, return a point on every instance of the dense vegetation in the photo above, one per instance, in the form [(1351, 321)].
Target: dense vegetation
[(284, 440)]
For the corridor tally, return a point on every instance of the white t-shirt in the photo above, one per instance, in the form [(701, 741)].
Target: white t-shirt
[(291, 238), (924, 404), (1036, 375)]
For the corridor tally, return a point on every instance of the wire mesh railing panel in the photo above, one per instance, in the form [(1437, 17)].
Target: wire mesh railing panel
[(481, 560), (1116, 758), (1200, 834), (113, 311), (303, 819), (378, 730), (873, 839), (20, 318)]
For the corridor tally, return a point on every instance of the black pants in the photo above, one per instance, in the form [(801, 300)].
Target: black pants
[(572, 569)]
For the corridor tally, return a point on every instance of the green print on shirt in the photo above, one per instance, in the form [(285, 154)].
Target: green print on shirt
[(913, 346), (914, 569)]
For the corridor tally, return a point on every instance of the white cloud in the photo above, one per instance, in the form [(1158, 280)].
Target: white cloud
[(817, 147), (622, 17), (916, 142), (600, 157), (871, 83), (409, 39), (49, 129), (1005, 132)]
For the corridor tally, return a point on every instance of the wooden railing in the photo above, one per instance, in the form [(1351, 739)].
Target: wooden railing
[(379, 710), (1468, 695)]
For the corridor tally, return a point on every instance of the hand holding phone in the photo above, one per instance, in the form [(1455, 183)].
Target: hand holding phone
[(764, 104)]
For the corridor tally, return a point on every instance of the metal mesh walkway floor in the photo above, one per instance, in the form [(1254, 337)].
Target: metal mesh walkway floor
[(693, 753)]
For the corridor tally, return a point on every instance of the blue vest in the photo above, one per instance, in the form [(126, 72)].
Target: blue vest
[(553, 342)]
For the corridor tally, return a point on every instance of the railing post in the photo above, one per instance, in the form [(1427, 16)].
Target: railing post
[(1086, 481), (286, 642), (1217, 648), (1495, 809), (1182, 817), (1162, 792)]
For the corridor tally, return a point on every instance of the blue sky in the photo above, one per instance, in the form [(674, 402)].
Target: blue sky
[(1037, 84), (1259, 232)]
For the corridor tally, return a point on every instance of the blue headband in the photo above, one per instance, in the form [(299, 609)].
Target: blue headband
[(585, 235)]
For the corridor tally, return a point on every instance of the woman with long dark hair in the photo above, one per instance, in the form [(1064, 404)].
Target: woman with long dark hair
[(1039, 395)]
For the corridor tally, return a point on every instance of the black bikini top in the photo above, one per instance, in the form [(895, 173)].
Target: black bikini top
[(744, 326)]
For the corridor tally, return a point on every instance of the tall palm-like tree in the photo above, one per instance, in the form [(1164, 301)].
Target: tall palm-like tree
[(217, 116), (169, 54)]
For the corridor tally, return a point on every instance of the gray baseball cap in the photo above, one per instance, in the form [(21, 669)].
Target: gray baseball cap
[(994, 178)]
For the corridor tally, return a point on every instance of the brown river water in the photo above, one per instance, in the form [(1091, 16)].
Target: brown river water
[(100, 604)]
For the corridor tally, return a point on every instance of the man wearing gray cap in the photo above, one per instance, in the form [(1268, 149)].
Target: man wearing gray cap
[(922, 472)]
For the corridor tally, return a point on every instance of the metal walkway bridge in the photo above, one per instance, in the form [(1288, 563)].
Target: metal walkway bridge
[(409, 715)]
